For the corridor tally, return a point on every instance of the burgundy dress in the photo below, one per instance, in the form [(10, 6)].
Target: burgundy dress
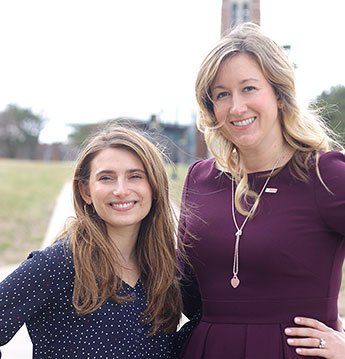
[(290, 261)]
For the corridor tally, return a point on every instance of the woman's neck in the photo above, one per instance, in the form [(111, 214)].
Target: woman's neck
[(125, 241), (264, 160)]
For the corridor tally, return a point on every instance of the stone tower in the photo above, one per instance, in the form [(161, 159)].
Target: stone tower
[(238, 11)]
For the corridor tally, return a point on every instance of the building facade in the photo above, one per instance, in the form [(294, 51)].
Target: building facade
[(175, 140), (235, 12)]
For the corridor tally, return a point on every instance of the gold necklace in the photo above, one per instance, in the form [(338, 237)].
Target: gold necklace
[(235, 281)]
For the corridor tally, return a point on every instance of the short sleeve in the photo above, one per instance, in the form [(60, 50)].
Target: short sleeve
[(330, 195)]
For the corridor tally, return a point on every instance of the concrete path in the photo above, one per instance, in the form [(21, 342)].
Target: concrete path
[(20, 347), (63, 210)]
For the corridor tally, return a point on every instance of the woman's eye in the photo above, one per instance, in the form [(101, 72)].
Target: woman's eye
[(249, 88), (221, 95), (136, 176), (105, 178)]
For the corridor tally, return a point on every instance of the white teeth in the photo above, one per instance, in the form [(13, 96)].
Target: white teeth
[(246, 122), (122, 205)]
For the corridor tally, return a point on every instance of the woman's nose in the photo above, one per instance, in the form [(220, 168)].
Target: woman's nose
[(121, 188), (237, 106)]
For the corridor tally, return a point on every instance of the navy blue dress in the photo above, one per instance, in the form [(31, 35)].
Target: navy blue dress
[(39, 293)]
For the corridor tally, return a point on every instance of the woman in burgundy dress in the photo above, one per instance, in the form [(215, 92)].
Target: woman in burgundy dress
[(264, 218)]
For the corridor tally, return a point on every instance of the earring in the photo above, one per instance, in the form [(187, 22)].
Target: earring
[(86, 208)]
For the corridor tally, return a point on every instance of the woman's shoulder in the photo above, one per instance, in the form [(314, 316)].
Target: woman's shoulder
[(58, 254), (202, 167), (331, 167), (332, 164), (332, 160), (208, 162), (52, 266), (58, 249)]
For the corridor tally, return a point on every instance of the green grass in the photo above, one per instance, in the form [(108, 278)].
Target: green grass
[(28, 193), (177, 175)]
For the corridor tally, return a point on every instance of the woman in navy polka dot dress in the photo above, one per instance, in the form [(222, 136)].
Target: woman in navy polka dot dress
[(107, 287)]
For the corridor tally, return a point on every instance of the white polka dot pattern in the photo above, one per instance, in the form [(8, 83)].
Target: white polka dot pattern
[(39, 293)]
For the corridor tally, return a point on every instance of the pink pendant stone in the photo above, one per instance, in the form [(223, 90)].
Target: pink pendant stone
[(235, 282)]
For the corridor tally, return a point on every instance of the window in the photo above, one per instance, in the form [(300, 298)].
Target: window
[(246, 12), (234, 14)]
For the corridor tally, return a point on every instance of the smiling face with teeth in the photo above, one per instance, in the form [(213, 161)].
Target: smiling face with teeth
[(246, 105), (119, 190)]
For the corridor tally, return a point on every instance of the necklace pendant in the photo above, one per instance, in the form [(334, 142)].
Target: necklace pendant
[(235, 282)]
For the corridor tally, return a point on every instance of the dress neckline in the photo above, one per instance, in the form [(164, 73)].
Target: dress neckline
[(250, 174)]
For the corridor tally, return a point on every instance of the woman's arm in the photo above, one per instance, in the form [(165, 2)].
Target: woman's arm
[(30, 287)]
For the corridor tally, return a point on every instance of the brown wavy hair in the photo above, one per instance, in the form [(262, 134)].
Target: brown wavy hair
[(96, 258)]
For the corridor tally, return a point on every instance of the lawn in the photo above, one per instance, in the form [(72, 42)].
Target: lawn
[(28, 192), (177, 175)]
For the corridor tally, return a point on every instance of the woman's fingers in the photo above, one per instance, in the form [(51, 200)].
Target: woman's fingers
[(305, 342), (313, 352), (313, 338), (304, 332), (312, 323)]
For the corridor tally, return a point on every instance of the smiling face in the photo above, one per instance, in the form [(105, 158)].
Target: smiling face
[(118, 189), (246, 104)]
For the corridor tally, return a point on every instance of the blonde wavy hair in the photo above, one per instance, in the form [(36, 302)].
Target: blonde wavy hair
[(96, 258), (305, 131)]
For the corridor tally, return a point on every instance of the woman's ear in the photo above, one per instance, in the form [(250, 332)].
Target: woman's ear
[(84, 192), (279, 101)]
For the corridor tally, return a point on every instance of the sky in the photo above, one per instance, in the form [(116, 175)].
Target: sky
[(85, 61)]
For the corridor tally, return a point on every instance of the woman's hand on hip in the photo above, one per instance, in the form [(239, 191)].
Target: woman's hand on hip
[(313, 338)]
